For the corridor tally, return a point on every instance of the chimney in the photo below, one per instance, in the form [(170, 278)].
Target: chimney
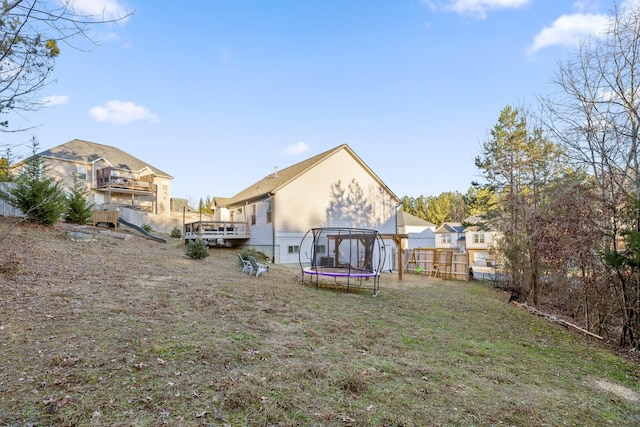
[(275, 171)]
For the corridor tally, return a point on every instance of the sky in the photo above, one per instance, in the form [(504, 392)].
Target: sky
[(220, 94)]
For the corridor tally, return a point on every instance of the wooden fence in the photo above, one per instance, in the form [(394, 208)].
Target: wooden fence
[(444, 263)]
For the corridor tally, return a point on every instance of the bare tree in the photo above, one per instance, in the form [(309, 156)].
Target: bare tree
[(595, 114), (31, 33)]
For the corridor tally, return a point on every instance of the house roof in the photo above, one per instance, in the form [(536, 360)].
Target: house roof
[(182, 205), (477, 222), (474, 219), (450, 227), (79, 151), (271, 183), (406, 219)]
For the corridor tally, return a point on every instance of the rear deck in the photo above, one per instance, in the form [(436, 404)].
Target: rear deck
[(215, 232)]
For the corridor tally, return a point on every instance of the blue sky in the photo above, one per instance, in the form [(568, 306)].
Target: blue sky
[(219, 94)]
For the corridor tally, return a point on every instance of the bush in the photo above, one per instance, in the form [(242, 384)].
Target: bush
[(147, 228), (250, 251), (39, 197), (197, 249), (176, 233)]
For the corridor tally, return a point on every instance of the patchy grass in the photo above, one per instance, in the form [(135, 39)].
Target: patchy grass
[(108, 331)]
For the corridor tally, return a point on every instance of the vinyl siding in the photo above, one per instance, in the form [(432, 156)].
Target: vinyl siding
[(307, 201)]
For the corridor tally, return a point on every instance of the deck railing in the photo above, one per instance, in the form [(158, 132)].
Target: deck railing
[(120, 179), (213, 230)]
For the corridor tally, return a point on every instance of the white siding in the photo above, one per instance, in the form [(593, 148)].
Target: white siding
[(261, 232), (425, 239), (336, 192), (286, 240)]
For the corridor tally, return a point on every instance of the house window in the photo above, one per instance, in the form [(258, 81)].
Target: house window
[(269, 212), (445, 238), (294, 249), (165, 185), (320, 249), (478, 238), (253, 215), (81, 173)]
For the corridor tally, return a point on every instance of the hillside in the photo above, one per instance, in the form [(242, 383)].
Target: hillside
[(111, 331)]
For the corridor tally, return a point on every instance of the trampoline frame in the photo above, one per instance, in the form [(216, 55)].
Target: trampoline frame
[(369, 267)]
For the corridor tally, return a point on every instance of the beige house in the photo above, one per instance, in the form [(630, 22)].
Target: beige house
[(112, 177), (332, 189), (480, 241)]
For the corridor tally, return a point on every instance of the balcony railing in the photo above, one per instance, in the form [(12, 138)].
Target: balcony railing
[(213, 230), (111, 178)]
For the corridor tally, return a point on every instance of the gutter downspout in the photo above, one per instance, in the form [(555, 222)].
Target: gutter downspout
[(273, 227)]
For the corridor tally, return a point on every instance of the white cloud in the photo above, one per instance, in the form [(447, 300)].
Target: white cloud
[(120, 112), (98, 9), (50, 101), (568, 30), (297, 148), (478, 8)]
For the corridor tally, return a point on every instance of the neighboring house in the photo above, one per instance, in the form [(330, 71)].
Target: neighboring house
[(421, 232), (333, 189), (480, 241), (111, 177), (450, 235)]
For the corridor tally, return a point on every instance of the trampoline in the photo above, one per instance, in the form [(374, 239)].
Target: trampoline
[(349, 256)]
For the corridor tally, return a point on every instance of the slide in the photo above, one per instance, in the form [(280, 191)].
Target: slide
[(141, 230)]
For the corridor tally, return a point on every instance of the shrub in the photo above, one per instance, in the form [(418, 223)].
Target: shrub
[(197, 249), (176, 233), (39, 197), (250, 251), (147, 228)]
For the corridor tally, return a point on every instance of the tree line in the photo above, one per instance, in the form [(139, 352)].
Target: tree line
[(561, 186)]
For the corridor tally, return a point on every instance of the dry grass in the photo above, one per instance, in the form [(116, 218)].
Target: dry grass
[(117, 332)]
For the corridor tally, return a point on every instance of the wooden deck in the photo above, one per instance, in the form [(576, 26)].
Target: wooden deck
[(212, 231), (114, 179)]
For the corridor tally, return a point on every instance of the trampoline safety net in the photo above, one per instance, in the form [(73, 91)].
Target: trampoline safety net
[(350, 256)]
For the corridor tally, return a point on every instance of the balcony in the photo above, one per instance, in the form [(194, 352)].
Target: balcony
[(124, 181), (126, 188)]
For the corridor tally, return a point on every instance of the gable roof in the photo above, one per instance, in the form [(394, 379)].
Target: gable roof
[(474, 219), (406, 219), (271, 183), (450, 227), (79, 151)]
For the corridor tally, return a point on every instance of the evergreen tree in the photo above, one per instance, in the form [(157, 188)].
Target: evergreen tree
[(5, 175), (78, 208), (520, 164), (39, 197)]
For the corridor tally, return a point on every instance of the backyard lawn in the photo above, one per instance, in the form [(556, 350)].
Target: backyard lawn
[(101, 330)]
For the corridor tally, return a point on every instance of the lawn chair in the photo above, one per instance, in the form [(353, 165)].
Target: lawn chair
[(257, 267), (246, 265)]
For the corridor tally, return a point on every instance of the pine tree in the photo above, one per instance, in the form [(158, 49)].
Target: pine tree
[(78, 208), (39, 197)]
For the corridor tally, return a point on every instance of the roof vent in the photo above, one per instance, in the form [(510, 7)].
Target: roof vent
[(275, 171)]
